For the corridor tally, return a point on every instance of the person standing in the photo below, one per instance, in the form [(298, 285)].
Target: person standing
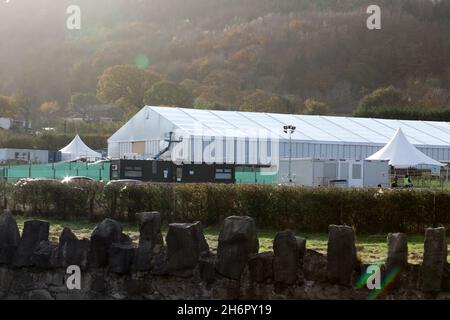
[(395, 183), (407, 183)]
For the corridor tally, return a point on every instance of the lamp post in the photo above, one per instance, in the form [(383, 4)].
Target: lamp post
[(290, 129)]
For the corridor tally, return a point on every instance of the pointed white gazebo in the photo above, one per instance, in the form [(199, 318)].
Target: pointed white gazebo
[(78, 149), (402, 154)]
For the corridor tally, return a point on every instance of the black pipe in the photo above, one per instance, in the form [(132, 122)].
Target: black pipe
[(166, 148)]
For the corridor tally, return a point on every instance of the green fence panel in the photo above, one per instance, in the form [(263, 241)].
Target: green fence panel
[(255, 177), (98, 171)]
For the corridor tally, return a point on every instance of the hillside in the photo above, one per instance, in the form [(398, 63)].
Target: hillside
[(259, 55)]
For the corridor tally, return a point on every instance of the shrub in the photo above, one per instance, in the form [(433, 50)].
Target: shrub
[(272, 206), (50, 199)]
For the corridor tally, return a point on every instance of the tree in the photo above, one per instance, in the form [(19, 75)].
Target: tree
[(6, 106), (277, 103), (125, 85), (190, 85), (255, 101), (316, 107), (261, 101), (24, 106), (382, 98), (223, 87), (80, 102), (435, 98), (49, 108), (168, 94), (203, 103)]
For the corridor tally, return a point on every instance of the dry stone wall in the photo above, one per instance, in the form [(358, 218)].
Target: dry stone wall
[(183, 266)]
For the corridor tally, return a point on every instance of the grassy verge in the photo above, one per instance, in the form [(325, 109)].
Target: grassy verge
[(371, 248)]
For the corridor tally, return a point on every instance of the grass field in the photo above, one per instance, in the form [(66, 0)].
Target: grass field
[(371, 248)]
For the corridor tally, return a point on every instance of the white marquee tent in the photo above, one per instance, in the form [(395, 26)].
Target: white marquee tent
[(402, 154), (318, 137), (78, 149)]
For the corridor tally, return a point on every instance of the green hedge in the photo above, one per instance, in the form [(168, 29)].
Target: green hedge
[(307, 209)]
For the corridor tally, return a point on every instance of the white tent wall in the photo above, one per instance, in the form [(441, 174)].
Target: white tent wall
[(125, 148), (241, 134), (299, 150), (146, 126), (113, 150), (327, 151), (349, 151), (152, 147), (240, 153), (197, 157), (219, 149)]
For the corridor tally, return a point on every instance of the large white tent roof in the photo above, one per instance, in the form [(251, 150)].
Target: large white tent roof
[(78, 149), (402, 154), (324, 129)]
